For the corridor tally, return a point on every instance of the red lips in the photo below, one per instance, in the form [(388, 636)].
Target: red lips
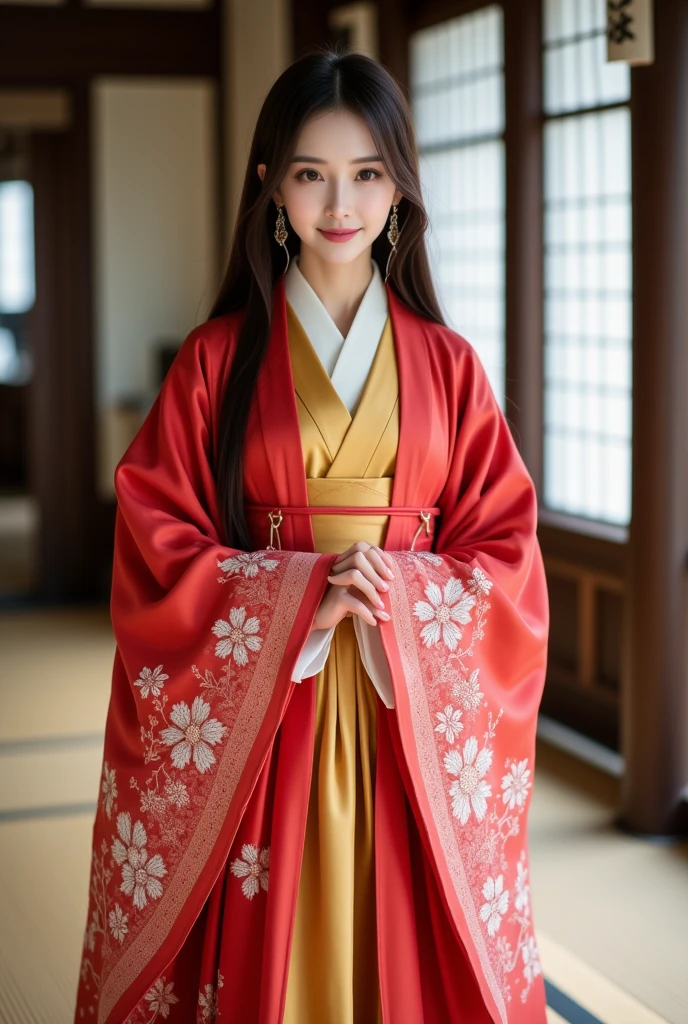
[(339, 236)]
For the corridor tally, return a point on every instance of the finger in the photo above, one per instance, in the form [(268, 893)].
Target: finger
[(363, 610), (359, 545), (380, 613), (353, 577), (359, 560), (381, 560)]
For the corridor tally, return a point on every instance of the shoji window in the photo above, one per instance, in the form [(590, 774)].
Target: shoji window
[(587, 250), (457, 98)]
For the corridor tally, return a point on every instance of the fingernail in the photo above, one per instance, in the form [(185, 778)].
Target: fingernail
[(380, 603), (385, 586), (390, 574), (384, 615)]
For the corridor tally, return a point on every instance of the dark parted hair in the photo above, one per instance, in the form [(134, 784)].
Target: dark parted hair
[(323, 80)]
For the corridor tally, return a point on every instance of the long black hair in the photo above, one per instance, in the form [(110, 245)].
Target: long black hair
[(323, 80)]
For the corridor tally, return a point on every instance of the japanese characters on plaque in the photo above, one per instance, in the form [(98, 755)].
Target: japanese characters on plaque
[(630, 31)]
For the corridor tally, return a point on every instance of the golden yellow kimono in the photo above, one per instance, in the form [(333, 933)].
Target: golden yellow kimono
[(333, 977)]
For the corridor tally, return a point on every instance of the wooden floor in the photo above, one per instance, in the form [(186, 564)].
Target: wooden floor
[(610, 910)]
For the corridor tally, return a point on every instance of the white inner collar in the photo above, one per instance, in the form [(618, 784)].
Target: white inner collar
[(347, 360)]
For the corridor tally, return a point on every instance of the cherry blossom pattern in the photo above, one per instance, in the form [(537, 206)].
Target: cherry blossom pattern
[(151, 681), (118, 923), (238, 636), (192, 735), (443, 612), (253, 867), (177, 793), (531, 960), (522, 901), (249, 563), (516, 785), (450, 723), (470, 790), (141, 874), (160, 998), (427, 556), (108, 788), (207, 1001), (497, 903), (479, 583), (467, 691)]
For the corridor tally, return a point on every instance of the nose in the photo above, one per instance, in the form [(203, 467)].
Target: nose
[(339, 205)]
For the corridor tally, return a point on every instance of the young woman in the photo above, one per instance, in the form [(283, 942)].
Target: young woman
[(331, 621)]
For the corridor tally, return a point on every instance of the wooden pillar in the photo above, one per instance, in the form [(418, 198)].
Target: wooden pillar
[(655, 690), (524, 356), (61, 416)]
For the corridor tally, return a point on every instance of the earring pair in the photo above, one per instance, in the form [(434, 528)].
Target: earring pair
[(281, 234)]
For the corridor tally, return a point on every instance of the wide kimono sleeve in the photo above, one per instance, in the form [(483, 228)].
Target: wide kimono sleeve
[(206, 640), (467, 651)]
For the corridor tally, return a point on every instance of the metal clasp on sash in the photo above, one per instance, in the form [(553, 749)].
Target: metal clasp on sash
[(275, 518), (425, 522)]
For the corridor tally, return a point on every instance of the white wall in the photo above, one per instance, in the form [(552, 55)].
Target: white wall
[(155, 227)]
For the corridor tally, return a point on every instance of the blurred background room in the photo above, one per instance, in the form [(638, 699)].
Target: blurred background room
[(554, 155)]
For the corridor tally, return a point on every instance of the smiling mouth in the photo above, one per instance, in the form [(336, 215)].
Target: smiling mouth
[(339, 231)]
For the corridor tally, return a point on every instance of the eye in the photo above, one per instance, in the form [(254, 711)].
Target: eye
[(301, 176), (369, 170), (306, 170)]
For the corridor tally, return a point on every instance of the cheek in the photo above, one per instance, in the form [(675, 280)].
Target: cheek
[(375, 205), (303, 205)]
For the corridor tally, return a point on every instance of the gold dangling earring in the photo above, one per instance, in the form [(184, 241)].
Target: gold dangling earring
[(392, 235), (281, 232)]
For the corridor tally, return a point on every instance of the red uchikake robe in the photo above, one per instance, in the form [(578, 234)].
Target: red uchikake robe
[(208, 742)]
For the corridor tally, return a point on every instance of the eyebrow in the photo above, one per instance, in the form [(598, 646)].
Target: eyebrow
[(318, 160)]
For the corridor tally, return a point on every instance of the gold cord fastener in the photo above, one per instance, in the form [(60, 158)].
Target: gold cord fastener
[(275, 518), (425, 522)]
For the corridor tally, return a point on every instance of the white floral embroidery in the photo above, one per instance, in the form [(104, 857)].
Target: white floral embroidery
[(486, 824), (161, 997), (90, 936), (207, 1000), (140, 874), (515, 784), (531, 960), (470, 790), (522, 901), (177, 793), (254, 869), (118, 922), (467, 691), (497, 903), (427, 556), (248, 563), (151, 681), (153, 803), (240, 634), (194, 735), (109, 788), (479, 583), (443, 612), (450, 723)]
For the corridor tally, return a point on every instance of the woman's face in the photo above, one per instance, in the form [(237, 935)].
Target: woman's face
[(336, 181)]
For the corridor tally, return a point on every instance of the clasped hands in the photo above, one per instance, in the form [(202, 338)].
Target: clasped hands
[(358, 581)]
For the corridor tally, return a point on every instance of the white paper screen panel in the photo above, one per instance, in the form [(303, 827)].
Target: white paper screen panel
[(457, 97), (587, 262)]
